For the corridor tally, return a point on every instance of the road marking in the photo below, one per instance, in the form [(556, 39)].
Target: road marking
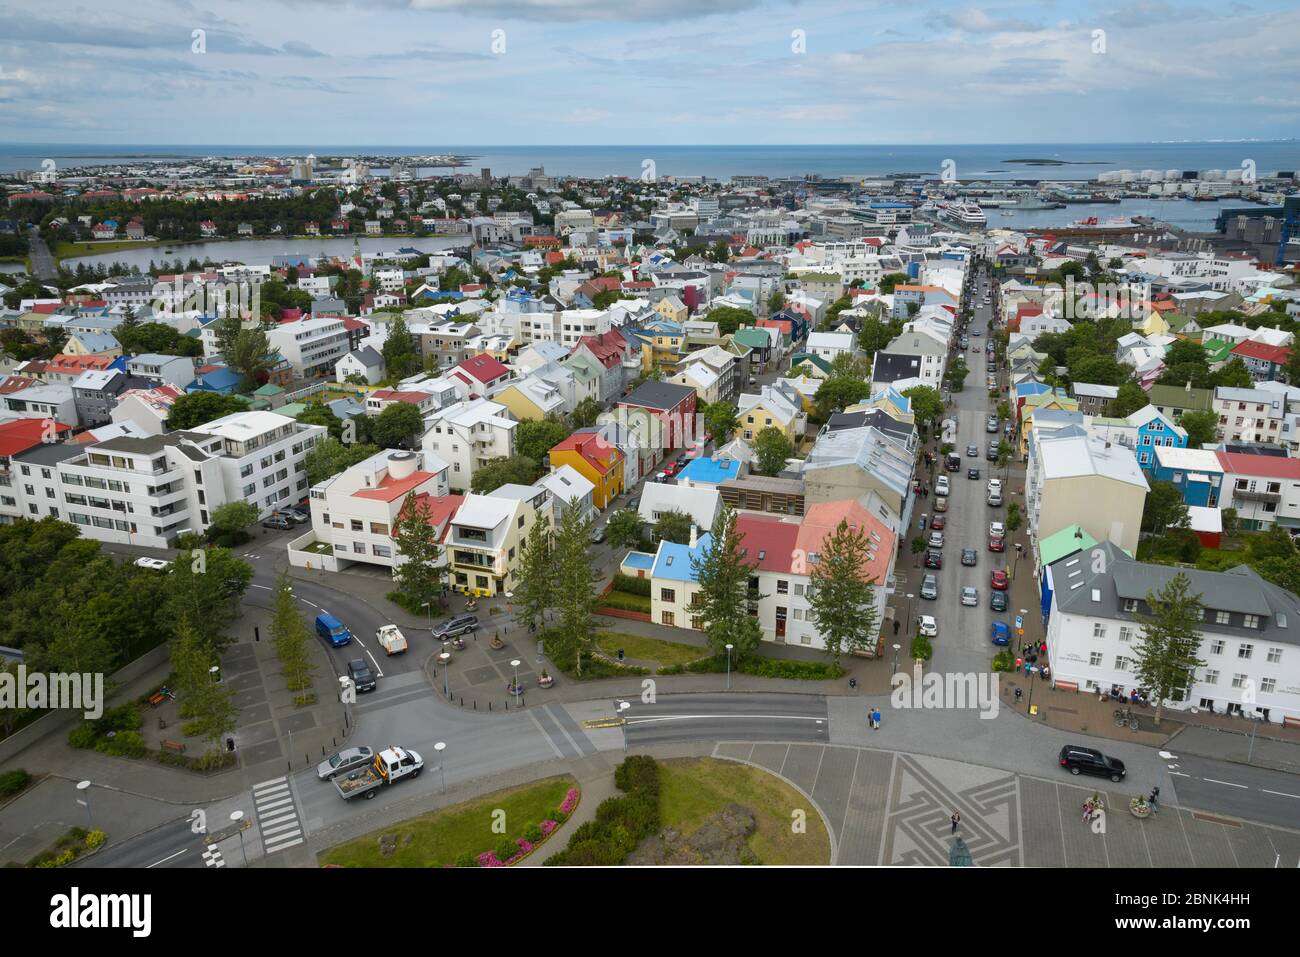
[(692, 717), (1281, 794), (277, 814), (168, 858), (1178, 774), (546, 737), (212, 857), (1226, 784)]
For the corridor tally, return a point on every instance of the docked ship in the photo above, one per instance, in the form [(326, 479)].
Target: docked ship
[(1032, 202), (963, 214)]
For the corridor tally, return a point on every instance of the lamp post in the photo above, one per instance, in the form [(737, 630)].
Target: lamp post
[(215, 671), (84, 801), (909, 610), (428, 605), (444, 658), (515, 664), (1255, 719), (729, 647), (895, 668), (440, 747), (624, 706), (238, 816)]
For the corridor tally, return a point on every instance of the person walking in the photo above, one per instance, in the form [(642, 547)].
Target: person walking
[(956, 820), (1154, 799), (875, 718)]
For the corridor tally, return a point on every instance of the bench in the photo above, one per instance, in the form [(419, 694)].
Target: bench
[(173, 746)]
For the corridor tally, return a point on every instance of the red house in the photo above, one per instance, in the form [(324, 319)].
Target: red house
[(671, 404)]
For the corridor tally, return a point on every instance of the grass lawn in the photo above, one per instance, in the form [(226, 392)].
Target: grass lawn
[(64, 250), (437, 839), (691, 789), (649, 649)]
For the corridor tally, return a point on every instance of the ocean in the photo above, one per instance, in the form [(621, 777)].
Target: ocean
[(984, 161)]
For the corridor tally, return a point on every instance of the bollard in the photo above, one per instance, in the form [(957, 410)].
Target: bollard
[(257, 635), (475, 704), (489, 705)]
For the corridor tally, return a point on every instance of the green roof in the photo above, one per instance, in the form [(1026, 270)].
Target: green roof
[(270, 389), (1063, 544), (293, 409), (1177, 397), (754, 338), (799, 358), (1217, 350)]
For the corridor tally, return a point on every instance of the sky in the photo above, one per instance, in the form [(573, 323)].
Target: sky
[(589, 72)]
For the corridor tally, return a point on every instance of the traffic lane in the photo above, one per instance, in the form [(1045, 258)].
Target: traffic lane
[(1253, 794), (169, 845), (727, 717)]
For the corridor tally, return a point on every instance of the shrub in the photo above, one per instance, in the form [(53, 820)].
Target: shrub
[(124, 717), (467, 859), (626, 601), (632, 585), (83, 735), (921, 648), (124, 744), (11, 782), (95, 839), (533, 834), (1003, 661), (760, 667), (620, 821), (558, 816), (507, 849)]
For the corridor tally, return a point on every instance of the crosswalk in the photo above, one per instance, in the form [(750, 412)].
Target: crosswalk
[(212, 857), (277, 815)]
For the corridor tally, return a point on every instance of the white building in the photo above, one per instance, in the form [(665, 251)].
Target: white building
[(311, 346), (467, 435)]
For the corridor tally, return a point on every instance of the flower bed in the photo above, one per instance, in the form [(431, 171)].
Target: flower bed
[(534, 837)]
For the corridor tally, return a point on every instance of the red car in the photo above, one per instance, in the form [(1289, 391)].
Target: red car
[(999, 581), (939, 522), (997, 543), (672, 468)]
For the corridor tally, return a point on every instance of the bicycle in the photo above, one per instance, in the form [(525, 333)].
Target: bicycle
[(1123, 716)]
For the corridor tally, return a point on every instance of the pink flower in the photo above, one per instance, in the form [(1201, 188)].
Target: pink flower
[(548, 826), (570, 801)]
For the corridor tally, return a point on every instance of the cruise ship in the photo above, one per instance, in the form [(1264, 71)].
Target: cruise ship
[(963, 214)]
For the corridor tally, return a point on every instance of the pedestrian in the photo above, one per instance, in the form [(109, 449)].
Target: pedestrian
[(1087, 810), (956, 820), (895, 627), (875, 716), (1154, 800)]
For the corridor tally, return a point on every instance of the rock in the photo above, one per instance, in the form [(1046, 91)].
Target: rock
[(387, 844), (721, 839), (407, 839)]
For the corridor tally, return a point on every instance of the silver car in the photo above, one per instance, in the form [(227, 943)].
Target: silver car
[(929, 587), (970, 597), (349, 759)]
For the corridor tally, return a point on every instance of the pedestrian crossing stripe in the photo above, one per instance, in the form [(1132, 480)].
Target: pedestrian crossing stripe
[(212, 857), (277, 815)]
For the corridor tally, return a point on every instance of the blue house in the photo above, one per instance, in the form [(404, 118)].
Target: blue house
[(1155, 430), (220, 381), (708, 472), (1196, 473)]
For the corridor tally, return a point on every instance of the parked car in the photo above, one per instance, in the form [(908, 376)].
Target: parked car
[(297, 514), (597, 536), (969, 556), (361, 675), (936, 539), (1001, 633), (341, 762), (998, 579), (279, 522), (992, 453), (941, 504), (934, 558), (456, 625), (997, 543), (991, 425), (995, 485), (929, 587), (941, 485), (995, 499), (998, 600), (153, 564), (939, 522), (1080, 760), (997, 528), (970, 597), (929, 627)]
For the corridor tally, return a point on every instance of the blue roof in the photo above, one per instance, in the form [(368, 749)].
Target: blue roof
[(673, 561), (639, 560), (1031, 388), (219, 380), (710, 471)]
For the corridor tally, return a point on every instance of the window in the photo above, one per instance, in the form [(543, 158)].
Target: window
[(1098, 630), (1250, 621), (356, 525), (667, 618), (1094, 659), (1211, 677), (1239, 680), (1121, 663), (782, 587), (1125, 633), (1130, 604), (1244, 651), (1268, 685), (1274, 656), (667, 594), (1221, 617), (1216, 647)]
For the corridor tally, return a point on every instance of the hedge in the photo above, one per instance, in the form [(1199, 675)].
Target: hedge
[(626, 601), (632, 585), (621, 822), (760, 667), (11, 782), (921, 648)]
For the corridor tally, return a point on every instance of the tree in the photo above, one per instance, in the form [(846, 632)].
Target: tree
[(890, 280), (722, 601), (776, 301), (200, 408), (729, 318), (575, 586), (328, 457), (418, 573), (1164, 509), (1291, 371), (586, 412), (1128, 400), (1234, 374), (927, 405), (511, 470), (674, 526), (624, 529), (1165, 653), (1202, 428), (837, 393), (317, 413), (232, 517), (956, 373), (1005, 453), (771, 450), (399, 426), (400, 359), (1014, 518), (292, 639), (1099, 370), (209, 705), (720, 419), (1231, 522), (246, 349), (535, 438), (202, 592), (535, 581), (841, 599)]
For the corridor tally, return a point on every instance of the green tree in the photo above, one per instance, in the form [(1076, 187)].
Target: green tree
[(1165, 653), (202, 593), (328, 457), (575, 586), (317, 413), (1014, 518), (291, 637), (1234, 374), (200, 408), (1129, 399), (837, 393), (418, 574), (1164, 509), (511, 470), (535, 582), (1202, 428), (673, 526), (400, 359), (233, 517), (875, 334), (246, 349), (776, 302), (722, 601), (927, 406), (720, 419), (889, 281), (842, 596), (729, 318), (771, 450), (586, 412), (399, 426), (625, 529), (208, 705), (535, 438)]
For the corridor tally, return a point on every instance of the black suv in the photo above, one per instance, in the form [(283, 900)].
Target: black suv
[(361, 675), (1082, 760)]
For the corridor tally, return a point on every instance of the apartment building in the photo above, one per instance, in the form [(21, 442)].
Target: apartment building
[(485, 541), (1250, 415), (162, 370), (468, 434), (1078, 480), (311, 346)]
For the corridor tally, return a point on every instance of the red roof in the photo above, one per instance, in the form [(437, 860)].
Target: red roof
[(70, 363), (483, 368), (396, 395), (440, 509), (45, 308), (15, 382), (1270, 466), (351, 324), (766, 541), (23, 434), (391, 488), (608, 347), (554, 257), (1250, 349), (592, 446)]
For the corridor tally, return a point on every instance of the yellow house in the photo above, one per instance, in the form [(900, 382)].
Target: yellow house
[(92, 344), (1040, 403), (599, 462), (672, 308), (531, 399), (778, 407), (1153, 324)]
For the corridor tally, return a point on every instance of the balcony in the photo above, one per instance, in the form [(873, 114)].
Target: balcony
[(1249, 496)]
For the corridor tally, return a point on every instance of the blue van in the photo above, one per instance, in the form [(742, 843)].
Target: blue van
[(332, 630)]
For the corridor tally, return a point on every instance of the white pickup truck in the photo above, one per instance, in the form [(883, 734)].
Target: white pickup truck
[(391, 639), (390, 764)]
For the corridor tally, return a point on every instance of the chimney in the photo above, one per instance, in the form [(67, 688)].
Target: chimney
[(694, 536)]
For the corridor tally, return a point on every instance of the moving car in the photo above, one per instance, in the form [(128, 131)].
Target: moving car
[(997, 543), (361, 675), (998, 579), (1080, 760), (597, 536), (389, 765), (391, 639), (929, 627), (998, 600), (973, 473), (153, 564), (934, 558), (929, 587), (997, 528), (332, 630), (456, 625), (953, 462), (969, 556), (970, 597), (341, 762), (972, 451)]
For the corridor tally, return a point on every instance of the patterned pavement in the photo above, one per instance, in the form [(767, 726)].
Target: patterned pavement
[(891, 808)]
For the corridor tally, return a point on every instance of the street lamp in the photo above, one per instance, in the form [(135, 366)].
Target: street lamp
[(444, 658), (623, 706), (238, 816), (895, 670), (515, 665), (729, 647), (909, 610), (440, 747), (215, 671), (84, 788), (428, 605)]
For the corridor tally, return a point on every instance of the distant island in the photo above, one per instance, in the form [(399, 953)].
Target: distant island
[(1055, 162)]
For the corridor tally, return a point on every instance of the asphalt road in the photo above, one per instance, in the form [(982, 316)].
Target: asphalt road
[(745, 717), (1250, 793), (42, 262), (167, 846)]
